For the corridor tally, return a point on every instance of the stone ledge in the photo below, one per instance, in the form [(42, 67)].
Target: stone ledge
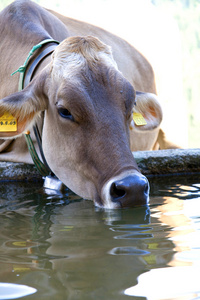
[(173, 161), (168, 162), (10, 171)]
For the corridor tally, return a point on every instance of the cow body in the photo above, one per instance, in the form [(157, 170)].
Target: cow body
[(82, 103), (134, 66)]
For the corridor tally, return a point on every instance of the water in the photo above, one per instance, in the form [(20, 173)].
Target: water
[(64, 248)]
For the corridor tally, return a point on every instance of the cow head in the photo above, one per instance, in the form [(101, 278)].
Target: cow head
[(88, 110)]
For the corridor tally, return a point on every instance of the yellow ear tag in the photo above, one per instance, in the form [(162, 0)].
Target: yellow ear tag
[(139, 119), (8, 123)]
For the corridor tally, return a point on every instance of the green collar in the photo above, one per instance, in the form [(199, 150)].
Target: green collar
[(42, 167), (22, 69)]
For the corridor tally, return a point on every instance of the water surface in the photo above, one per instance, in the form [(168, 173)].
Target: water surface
[(65, 248)]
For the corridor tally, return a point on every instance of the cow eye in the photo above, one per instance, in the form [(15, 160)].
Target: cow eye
[(64, 113)]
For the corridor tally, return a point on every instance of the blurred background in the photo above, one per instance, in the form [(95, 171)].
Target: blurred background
[(166, 32)]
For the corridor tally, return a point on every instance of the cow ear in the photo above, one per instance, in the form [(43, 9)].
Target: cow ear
[(147, 113), (20, 110)]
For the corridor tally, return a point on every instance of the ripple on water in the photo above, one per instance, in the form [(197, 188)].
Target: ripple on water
[(128, 251)]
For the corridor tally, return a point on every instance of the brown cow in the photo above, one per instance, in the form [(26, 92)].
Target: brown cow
[(87, 105)]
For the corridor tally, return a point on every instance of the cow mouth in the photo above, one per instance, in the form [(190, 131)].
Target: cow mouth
[(131, 189)]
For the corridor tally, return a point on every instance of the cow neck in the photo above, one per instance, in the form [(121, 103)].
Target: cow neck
[(27, 72)]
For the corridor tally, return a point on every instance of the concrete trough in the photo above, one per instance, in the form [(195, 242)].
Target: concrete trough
[(161, 162), (168, 162)]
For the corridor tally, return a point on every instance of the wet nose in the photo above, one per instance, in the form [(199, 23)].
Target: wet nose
[(132, 190)]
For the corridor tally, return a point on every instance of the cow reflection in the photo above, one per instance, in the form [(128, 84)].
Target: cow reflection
[(72, 250)]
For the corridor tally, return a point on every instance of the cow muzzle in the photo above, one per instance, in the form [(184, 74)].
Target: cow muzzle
[(128, 190)]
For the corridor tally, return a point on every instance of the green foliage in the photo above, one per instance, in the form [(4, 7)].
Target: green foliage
[(187, 15), (185, 4)]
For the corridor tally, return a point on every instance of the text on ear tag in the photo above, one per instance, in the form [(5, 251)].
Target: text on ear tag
[(139, 119), (8, 123)]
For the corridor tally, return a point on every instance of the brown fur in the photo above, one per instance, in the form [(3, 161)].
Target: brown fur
[(88, 47)]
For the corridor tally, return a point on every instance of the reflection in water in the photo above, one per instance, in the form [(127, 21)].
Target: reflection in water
[(176, 278), (67, 249), (13, 291)]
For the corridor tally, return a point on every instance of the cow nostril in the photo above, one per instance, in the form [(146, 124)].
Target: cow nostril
[(129, 191), (116, 192)]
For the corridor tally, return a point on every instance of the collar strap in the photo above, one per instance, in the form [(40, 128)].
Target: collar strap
[(31, 70), (23, 68), (42, 167)]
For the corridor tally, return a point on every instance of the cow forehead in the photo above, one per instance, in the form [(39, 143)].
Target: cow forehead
[(81, 53), (85, 73), (97, 97)]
